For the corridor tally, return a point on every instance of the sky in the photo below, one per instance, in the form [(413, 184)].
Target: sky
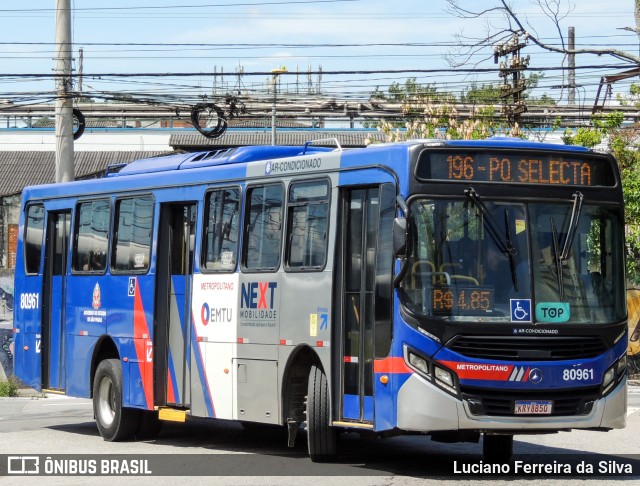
[(207, 36)]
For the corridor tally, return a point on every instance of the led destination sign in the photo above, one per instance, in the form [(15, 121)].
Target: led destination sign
[(519, 168)]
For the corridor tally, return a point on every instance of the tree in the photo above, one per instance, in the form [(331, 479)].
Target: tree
[(428, 113), (514, 22)]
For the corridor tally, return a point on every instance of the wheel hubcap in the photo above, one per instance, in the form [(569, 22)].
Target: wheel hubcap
[(106, 402)]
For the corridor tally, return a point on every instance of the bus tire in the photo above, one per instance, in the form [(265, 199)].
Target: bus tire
[(321, 437), (497, 448), (114, 421)]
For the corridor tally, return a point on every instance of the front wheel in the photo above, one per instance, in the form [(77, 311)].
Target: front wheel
[(321, 436), (497, 448), (114, 421)]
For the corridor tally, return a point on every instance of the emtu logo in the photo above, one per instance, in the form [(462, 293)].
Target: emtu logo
[(205, 313)]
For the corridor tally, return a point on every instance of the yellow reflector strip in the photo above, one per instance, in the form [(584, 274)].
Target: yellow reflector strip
[(172, 415)]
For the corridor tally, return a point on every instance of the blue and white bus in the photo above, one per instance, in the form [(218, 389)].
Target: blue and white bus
[(453, 288)]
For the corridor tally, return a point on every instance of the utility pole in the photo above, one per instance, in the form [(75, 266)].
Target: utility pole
[(80, 68), (513, 66), (64, 170), (572, 66), (276, 72)]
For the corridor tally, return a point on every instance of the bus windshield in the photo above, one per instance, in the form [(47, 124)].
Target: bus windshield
[(479, 260)]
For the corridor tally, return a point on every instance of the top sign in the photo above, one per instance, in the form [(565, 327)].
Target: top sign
[(519, 168)]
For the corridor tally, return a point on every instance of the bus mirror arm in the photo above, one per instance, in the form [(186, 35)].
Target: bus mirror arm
[(400, 276), (403, 205)]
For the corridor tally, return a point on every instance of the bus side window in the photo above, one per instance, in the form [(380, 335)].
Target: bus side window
[(307, 225), (91, 236), (220, 248), (263, 226), (132, 234), (34, 233)]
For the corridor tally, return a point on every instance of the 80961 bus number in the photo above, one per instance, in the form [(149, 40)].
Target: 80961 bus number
[(578, 374), (29, 300)]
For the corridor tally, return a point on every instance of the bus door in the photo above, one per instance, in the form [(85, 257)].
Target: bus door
[(364, 296), (53, 311), (174, 271)]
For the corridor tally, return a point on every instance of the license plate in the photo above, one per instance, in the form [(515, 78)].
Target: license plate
[(533, 407)]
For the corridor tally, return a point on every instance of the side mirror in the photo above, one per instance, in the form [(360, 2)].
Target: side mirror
[(399, 237)]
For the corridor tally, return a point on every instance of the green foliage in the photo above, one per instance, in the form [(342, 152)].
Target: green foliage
[(9, 388), (429, 113), (483, 94), (602, 125), (586, 137), (410, 90), (624, 146)]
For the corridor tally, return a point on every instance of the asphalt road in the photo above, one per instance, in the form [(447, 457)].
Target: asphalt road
[(220, 452)]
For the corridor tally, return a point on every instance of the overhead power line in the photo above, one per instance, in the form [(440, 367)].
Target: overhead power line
[(169, 7), (293, 73)]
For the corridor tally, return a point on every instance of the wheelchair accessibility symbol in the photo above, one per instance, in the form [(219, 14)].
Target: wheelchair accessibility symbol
[(520, 310)]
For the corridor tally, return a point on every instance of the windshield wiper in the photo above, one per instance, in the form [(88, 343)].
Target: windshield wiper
[(511, 250), (562, 256), (573, 224), (504, 243), (557, 257)]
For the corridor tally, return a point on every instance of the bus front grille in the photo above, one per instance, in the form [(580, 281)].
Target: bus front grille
[(526, 348), (501, 403)]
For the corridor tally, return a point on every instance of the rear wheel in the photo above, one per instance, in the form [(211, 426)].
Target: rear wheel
[(321, 436), (114, 421), (497, 448)]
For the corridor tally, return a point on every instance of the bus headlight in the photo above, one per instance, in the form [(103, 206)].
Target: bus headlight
[(607, 381), (445, 379), (621, 366), (419, 363), (614, 375), (441, 377)]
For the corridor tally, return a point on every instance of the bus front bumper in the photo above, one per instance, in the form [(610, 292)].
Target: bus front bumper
[(425, 408)]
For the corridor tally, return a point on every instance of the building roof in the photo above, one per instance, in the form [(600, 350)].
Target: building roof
[(231, 138), (265, 122), (19, 169)]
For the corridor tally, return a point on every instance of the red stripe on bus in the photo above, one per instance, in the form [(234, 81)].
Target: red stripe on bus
[(391, 366), (145, 362), (479, 371), (171, 398)]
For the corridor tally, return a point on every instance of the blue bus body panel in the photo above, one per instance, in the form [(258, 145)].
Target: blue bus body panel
[(79, 351), (209, 159), (27, 363), (56, 336)]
